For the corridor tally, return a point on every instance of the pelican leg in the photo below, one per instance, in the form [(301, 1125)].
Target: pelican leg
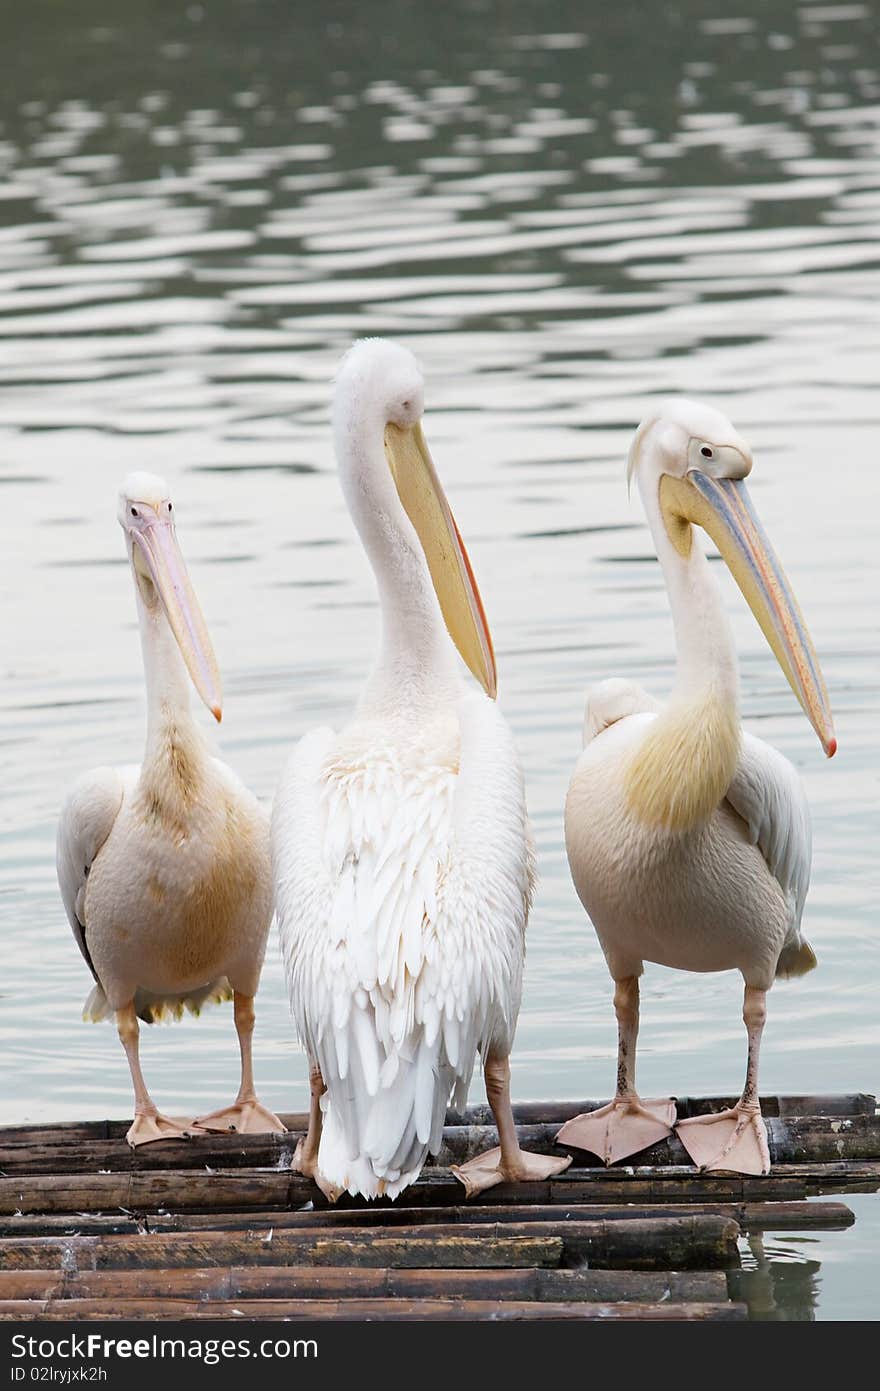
[(247, 1115), (148, 1124), (735, 1140), (627, 1124), (507, 1163), (305, 1158)]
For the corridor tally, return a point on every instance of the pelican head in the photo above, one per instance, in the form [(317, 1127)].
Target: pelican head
[(146, 516), (698, 464), (380, 393)]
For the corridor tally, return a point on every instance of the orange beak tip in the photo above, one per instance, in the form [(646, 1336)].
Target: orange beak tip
[(217, 713), (831, 748)]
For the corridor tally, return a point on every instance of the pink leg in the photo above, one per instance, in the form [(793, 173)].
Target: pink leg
[(305, 1159), (247, 1115), (148, 1123), (735, 1140), (507, 1162), (627, 1124), (306, 1155)]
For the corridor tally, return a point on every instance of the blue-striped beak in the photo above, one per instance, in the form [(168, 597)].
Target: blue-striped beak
[(723, 508)]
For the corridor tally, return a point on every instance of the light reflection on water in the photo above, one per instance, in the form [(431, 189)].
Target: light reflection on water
[(199, 212)]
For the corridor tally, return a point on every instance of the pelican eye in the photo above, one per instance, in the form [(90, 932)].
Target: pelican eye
[(707, 453), (135, 512)]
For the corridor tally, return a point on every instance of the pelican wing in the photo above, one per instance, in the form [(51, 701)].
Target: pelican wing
[(613, 700), (402, 895), (304, 890), (86, 821), (769, 796)]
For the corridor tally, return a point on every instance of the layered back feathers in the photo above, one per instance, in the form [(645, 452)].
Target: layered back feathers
[(377, 983), (402, 914)]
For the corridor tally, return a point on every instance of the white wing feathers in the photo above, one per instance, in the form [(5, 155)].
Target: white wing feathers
[(613, 700), (491, 874), (86, 821), (303, 889), (765, 792), (769, 796), (403, 888)]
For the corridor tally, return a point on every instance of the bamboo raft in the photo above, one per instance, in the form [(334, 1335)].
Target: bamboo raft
[(221, 1227)]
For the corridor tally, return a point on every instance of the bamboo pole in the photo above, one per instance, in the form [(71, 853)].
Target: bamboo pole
[(335, 1282), (525, 1113), (687, 1243), (556, 1112), (810, 1139), (751, 1217), (238, 1191), (196, 1189), (807, 1139), (298, 1248), (657, 1184), (672, 1243), (386, 1310)]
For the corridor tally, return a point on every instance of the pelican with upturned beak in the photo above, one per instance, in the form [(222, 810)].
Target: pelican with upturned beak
[(689, 840), (164, 868), (403, 858)]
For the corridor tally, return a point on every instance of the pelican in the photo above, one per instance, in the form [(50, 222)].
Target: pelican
[(164, 869), (688, 839), (402, 854)]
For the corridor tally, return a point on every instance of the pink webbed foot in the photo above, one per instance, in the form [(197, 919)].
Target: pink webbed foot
[(733, 1141), (627, 1125), (486, 1170), (145, 1129), (304, 1163), (242, 1118)]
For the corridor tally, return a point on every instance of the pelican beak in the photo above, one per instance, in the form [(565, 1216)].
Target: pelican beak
[(427, 508), (723, 508), (157, 556)]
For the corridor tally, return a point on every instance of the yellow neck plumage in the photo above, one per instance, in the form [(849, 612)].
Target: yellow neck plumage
[(682, 768)]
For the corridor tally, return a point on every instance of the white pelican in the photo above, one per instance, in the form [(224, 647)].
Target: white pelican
[(164, 869), (402, 853), (689, 840)]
